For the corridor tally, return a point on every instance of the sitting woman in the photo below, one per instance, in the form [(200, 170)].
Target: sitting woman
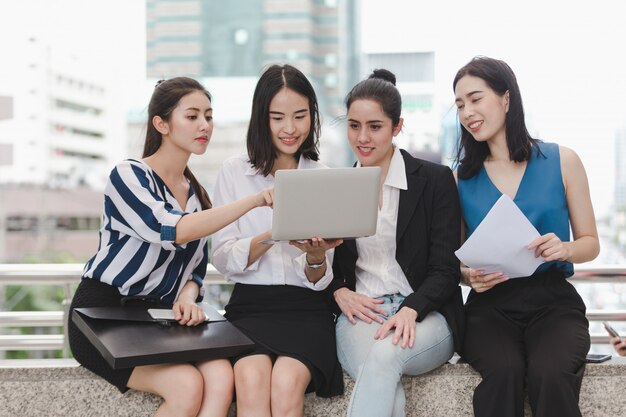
[(153, 244), (398, 291), (278, 300), (532, 330)]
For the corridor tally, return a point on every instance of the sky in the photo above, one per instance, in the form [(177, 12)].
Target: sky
[(569, 56), (109, 33)]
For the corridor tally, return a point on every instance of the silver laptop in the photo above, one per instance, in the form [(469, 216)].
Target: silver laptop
[(332, 203)]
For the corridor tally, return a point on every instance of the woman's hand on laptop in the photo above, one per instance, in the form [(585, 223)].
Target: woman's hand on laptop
[(316, 248), (353, 304), (265, 198)]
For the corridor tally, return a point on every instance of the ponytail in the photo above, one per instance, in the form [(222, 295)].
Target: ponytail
[(203, 196)]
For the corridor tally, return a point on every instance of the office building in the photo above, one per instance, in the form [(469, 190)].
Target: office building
[(208, 38), (415, 79), (42, 224), (59, 137), (61, 127)]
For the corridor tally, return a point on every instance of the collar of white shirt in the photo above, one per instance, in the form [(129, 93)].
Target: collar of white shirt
[(396, 176)]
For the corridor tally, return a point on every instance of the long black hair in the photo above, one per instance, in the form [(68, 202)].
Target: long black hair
[(261, 151), (500, 78), (164, 100)]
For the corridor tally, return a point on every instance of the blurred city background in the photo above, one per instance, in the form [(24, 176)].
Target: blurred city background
[(76, 76)]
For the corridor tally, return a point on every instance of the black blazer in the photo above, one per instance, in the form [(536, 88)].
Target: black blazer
[(428, 232)]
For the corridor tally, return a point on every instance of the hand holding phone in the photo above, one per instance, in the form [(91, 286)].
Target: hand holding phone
[(610, 329)]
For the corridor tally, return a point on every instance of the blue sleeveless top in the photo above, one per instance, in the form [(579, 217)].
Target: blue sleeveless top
[(540, 196)]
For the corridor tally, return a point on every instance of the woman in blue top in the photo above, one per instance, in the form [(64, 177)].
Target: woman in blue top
[(153, 245), (530, 329)]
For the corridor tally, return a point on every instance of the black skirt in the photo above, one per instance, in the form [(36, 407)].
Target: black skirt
[(93, 293), (291, 321)]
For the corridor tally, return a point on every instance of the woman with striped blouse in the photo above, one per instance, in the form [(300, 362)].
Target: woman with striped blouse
[(153, 245)]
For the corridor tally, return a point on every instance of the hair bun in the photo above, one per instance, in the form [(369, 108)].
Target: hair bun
[(384, 74)]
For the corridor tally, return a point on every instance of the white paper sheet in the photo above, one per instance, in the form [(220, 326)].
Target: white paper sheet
[(499, 243)]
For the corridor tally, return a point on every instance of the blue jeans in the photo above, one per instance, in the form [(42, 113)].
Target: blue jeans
[(377, 365)]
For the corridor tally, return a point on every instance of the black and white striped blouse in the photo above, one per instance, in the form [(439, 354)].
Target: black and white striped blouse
[(137, 252)]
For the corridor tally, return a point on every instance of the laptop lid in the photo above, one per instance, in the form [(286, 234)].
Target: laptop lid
[(328, 203)]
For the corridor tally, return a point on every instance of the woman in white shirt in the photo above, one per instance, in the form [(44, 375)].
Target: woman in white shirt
[(398, 291), (278, 300)]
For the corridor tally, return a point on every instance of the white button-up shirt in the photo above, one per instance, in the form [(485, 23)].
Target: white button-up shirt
[(377, 271), (282, 264)]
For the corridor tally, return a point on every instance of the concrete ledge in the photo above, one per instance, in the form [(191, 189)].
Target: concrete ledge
[(62, 388)]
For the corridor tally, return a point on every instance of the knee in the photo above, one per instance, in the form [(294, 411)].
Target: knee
[(219, 379), (249, 379), (384, 356), (287, 384), (552, 372), (185, 391), (502, 370), (287, 391)]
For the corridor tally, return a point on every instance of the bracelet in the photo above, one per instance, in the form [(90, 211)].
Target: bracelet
[(315, 266)]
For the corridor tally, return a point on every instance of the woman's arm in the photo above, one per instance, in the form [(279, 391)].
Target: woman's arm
[(194, 226), (316, 254), (235, 250), (341, 290), (585, 245), (258, 249), (136, 209)]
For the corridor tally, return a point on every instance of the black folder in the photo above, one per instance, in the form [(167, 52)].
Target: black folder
[(128, 336)]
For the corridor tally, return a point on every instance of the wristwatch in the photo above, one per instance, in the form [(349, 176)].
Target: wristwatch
[(315, 266)]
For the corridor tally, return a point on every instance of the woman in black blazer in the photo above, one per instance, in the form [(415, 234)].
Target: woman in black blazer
[(397, 291)]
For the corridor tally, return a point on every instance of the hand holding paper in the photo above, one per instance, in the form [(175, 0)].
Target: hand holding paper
[(500, 242)]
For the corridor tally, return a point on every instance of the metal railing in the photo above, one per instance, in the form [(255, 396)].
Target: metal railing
[(68, 275), (65, 276)]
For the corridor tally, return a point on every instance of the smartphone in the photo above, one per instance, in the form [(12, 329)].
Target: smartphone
[(161, 314), (610, 329), (597, 358), (165, 314)]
